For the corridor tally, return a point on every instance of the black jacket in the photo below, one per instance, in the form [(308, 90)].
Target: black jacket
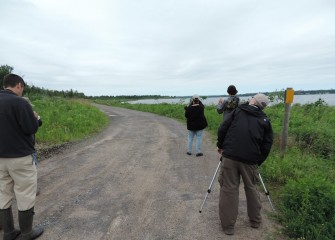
[(195, 115), (246, 135), (17, 125)]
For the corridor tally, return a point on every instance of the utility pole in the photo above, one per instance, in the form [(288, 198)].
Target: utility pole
[(288, 98)]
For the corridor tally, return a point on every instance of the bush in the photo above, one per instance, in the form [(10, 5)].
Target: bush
[(311, 126), (307, 209)]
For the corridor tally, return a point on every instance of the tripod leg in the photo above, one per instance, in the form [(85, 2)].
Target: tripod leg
[(210, 185), (266, 192)]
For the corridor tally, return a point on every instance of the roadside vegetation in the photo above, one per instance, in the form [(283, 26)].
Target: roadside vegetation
[(302, 183), (64, 121), (67, 120)]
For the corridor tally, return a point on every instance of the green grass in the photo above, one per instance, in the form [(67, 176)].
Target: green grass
[(66, 120)]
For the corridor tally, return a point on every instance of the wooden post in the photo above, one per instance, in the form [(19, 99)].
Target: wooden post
[(289, 94)]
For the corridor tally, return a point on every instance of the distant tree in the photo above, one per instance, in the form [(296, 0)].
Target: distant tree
[(4, 70)]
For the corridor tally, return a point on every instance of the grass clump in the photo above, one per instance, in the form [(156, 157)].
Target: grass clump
[(307, 209), (66, 120)]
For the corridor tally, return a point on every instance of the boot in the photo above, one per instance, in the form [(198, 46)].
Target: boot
[(7, 222), (26, 225)]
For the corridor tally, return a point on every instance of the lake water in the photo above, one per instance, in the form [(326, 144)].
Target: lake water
[(302, 99)]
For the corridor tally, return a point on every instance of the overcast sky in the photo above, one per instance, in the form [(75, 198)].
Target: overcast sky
[(170, 47)]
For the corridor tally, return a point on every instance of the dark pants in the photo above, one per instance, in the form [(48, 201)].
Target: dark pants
[(229, 178)]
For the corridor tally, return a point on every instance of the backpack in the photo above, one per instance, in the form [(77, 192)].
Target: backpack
[(231, 103)]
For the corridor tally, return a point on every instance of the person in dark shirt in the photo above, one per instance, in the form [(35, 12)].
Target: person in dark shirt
[(196, 122), (18, 124), (245, 138), (228, 105)]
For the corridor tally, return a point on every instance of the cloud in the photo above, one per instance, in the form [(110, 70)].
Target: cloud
[(170, 47)]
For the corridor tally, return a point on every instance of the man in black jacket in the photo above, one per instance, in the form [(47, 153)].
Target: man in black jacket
[(18, 174), (245, 138)]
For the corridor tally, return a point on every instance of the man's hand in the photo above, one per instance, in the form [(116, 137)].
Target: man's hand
[(220, 150)]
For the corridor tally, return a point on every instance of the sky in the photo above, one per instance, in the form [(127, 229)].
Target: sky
[(170, 47)]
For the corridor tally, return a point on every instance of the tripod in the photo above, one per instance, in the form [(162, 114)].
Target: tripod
[(210, 185), (212, 181)]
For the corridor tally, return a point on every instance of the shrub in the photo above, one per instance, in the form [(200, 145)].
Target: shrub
[(307, 208)]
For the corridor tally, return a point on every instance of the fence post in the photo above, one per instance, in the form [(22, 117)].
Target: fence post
[(288, 98)]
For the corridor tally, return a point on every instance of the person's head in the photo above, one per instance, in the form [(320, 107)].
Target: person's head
[(14, 83), (195, 98), (231, 90), (260, 100)]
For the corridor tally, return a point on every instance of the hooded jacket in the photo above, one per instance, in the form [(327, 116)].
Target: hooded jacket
[(246, 135), (17, 125), (195, 115)]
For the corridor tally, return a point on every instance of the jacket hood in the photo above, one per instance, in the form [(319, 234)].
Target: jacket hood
[(252, 110)]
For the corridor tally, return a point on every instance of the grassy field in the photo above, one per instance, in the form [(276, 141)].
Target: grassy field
[(302, 182)]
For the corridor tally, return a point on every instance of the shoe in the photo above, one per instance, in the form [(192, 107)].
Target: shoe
[(229, 231), (28, 232), (188, 153), (199, 154), (7, 224), (254, 224)]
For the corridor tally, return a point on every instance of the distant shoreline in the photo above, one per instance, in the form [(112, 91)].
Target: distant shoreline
[(296, 92)]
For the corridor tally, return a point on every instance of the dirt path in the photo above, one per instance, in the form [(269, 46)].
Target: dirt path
[(135, 181)]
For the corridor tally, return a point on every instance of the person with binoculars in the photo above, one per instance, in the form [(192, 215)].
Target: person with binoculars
[(196, 122)]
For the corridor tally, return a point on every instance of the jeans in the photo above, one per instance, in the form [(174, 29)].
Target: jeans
[(198, 141)]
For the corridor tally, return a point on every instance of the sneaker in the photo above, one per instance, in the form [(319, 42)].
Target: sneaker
[(199, 154), (188, 153)]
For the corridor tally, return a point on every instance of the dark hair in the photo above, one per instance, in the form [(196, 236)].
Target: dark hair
[(231, 90), (196, 100), (11, 80)]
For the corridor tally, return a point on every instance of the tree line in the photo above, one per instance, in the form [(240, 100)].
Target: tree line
[(33, 90)]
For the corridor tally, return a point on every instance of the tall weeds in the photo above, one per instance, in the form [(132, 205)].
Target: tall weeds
[(66, 120)]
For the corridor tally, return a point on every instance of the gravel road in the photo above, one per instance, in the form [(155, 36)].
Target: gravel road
[(135, 181)]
